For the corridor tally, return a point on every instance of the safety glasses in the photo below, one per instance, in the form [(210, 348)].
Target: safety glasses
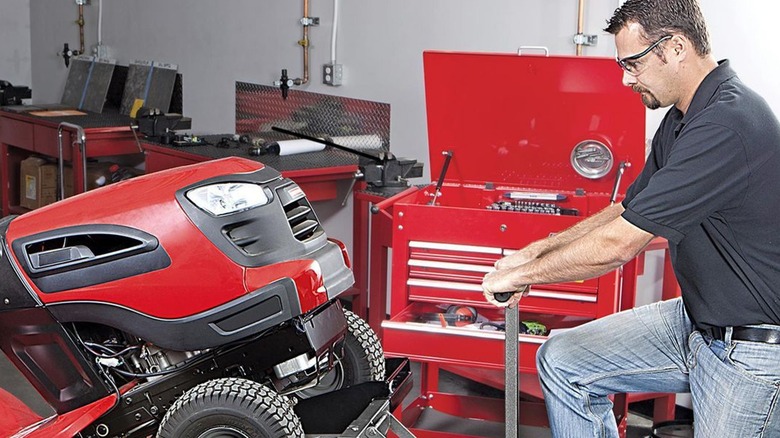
[(630, 65)]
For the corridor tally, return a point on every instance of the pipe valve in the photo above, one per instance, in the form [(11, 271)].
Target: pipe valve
[(284, 83), (67, 54)]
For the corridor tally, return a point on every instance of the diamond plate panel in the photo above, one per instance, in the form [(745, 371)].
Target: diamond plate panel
[(354, 123)]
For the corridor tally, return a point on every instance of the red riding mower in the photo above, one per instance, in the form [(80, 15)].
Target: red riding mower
[(195, 302)]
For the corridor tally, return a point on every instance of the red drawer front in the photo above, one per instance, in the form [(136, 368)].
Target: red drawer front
[(16, 133), (455, 346), (439, 272), (47, 142)]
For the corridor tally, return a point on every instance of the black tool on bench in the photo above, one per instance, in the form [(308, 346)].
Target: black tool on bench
[(379, 170)]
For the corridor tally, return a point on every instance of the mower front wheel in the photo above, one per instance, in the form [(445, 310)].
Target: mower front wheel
[(230, 408)]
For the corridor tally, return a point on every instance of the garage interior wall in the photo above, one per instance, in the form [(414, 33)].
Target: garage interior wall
[(15, 50), (380, 44)]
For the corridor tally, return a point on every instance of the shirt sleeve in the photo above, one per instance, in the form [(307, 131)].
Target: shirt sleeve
[(652, 164), (706, 171)]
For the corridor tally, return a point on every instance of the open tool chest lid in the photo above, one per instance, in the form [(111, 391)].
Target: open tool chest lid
[(515, 120)]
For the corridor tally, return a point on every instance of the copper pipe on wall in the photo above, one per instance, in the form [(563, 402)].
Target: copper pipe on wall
[(580, 23), (284, 83), (304, 43), (80, 22)]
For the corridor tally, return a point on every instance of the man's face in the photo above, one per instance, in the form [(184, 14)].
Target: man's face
[(644, 71)]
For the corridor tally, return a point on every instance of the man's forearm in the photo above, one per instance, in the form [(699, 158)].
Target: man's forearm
[(581, 252), (594, 254), (578, 230)]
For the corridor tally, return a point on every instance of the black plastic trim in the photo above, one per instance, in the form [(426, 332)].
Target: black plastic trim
[(46, 354), (264, 308), (147, 256), (14, 293)]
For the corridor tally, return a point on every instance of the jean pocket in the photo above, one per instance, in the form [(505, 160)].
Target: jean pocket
[(756, 360), (695, 343)]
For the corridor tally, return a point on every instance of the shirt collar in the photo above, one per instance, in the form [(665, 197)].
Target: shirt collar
[(708, 87)]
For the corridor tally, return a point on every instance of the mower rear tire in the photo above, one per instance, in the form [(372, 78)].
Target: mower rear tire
[(364, 359), (230, 408)]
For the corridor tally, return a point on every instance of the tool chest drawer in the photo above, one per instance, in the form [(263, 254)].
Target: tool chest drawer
[(446, 262), (416, 333)]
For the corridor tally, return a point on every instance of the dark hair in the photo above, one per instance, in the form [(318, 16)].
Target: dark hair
[(664, 17)]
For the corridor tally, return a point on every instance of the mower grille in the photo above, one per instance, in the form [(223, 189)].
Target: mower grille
[(252, 238), (302, 220)]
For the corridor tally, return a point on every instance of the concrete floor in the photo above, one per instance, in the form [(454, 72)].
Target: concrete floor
[(638, 425)]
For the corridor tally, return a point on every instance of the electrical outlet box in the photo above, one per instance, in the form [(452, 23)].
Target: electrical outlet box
[(332, 74)]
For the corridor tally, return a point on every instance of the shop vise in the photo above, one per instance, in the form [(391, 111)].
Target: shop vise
[(157, 126)]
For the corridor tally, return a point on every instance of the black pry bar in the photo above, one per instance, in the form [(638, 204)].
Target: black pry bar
[(328, 143), (442, 174), (503, 297)]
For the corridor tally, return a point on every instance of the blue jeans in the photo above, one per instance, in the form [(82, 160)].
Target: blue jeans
[(734, 385)]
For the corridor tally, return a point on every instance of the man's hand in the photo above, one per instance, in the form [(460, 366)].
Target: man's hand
[(500, 281)]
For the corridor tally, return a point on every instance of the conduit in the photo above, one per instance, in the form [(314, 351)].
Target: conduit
[(80, 22), (333, 33)]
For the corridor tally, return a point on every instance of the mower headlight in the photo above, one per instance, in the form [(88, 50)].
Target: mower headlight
[(226, 198)]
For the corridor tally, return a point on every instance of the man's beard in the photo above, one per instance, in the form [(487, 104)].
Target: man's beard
[(648, 99)]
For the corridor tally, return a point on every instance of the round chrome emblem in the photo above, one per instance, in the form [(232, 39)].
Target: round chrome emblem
[(592, 159)]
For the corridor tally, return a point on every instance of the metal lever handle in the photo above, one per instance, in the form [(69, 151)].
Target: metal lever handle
[(357, 175), (621, 169), (442, 175), (511, 376), (82, 141)]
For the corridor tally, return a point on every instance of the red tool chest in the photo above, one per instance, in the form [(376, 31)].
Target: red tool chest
[(560, 131)]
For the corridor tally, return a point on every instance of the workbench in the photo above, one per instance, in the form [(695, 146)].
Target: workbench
[(23, 134)]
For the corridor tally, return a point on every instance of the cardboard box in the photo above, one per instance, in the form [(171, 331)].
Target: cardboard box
[(38, 182)]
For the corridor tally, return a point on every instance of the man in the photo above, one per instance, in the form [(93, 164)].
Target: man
[(711, 188)]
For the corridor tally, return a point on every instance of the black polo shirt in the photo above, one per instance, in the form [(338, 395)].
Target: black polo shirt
[(711, 186)]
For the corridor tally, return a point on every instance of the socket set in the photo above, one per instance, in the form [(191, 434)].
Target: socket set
[(533, 207)]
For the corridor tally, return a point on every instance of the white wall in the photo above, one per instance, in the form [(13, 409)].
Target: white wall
[(15, 56)]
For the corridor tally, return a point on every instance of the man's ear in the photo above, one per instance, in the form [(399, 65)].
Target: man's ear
[(680, 45)]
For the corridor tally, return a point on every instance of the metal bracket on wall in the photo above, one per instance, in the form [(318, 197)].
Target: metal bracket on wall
[(586, 40)]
